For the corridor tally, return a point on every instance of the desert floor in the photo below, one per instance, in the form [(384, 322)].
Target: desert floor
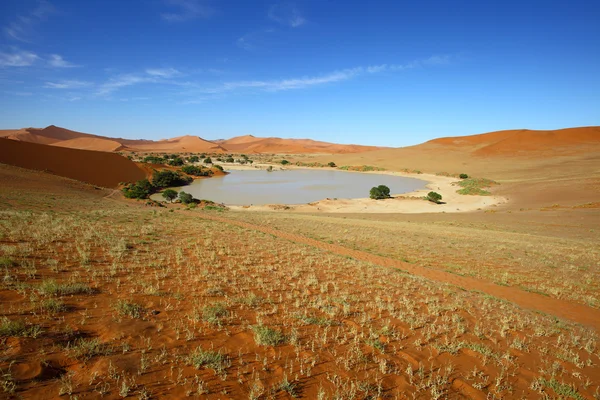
[(103, 296)]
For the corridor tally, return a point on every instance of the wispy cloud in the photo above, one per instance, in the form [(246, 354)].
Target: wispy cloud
[(58, 61), (286, 13), (68, 84), (18, 58), (22, 26), (122, 81), (163, 72), (187, 10), (332, 77), (253, 40)]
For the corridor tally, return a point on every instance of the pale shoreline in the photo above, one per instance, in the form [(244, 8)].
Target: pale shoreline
[(405, 203)]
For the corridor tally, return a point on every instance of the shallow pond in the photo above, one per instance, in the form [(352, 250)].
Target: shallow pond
[(298, 186)]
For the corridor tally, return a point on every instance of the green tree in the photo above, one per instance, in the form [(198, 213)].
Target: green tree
[(380, 192), (207, 160), (463, 176), (176, 162), (331, 164), (434, 197), (170, 195), (163, 179), (229, 159), (139, 190), (193, 159), (284, 162), (186, 198)]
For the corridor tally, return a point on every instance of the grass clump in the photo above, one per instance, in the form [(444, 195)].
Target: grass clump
[(52, 306), (85, 349), (561, 389), (265, 336), (214, 313), (52, 288), (131, 309), (475, 186), (209, 359), (18, 328)]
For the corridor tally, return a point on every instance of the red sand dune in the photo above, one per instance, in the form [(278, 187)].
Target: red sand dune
[(251, 144), (95, 167), (524, 141), (192, 144), (96, 144)]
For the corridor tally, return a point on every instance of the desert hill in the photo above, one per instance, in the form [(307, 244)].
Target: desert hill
[(62, 137), (252, 144), (95, 167), (498, 153)]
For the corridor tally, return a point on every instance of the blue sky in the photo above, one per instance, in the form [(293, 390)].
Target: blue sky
[(387, 73)]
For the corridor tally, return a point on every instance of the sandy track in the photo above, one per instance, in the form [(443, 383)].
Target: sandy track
[(561, 308)]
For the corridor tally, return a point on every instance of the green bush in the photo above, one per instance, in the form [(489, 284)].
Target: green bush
[(196, 171), (185, 198), (218, 167), (170, 195), (380, 192), (434, 197), (229, 159), (139, 190), (463, 176), (154, 160), (207, 160), (331, 164), (284, 162), (176, 162), (163, 179), (475, 186), (193, 159)]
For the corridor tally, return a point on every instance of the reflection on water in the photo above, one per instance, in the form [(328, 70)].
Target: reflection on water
[(294, 186)]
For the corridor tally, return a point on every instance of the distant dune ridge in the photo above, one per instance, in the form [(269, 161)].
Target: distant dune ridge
[(56, 136)]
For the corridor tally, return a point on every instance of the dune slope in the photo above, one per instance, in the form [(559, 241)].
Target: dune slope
[(95, 167)]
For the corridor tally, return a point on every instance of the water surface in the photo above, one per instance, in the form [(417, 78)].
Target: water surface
[(296, 186)]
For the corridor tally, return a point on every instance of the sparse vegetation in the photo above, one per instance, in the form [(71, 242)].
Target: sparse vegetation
[(266, 336), (475, 186)]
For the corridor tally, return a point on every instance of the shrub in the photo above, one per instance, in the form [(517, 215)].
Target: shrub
[(170, 195), (176, 162), (154, 160), (163, 179), (196, 171), (229, 159), (185, 198), (380, 192), (218, 167), (475, 186), (434, 197), (331, 164), (463, 176), (284, 162), (207, 160), (18, 328), (139, 190), (193, 159)]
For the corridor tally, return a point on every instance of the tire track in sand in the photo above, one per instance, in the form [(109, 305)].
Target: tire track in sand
[(565, 309)]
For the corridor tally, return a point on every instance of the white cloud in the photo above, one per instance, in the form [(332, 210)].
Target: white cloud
[(286, 13), (19, 58), (58, 61), (22, 26), (67, 84), (163, 72), (187, 10)]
